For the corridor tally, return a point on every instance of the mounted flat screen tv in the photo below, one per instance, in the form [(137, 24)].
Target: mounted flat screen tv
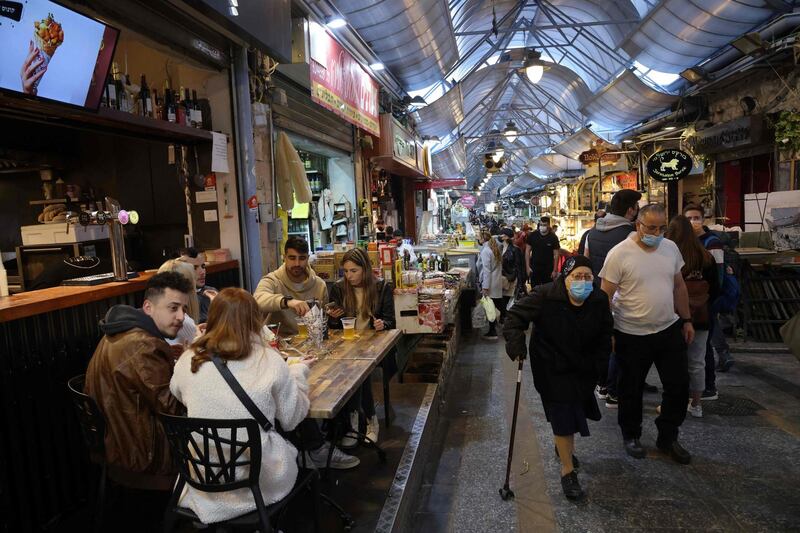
[(54, 53)]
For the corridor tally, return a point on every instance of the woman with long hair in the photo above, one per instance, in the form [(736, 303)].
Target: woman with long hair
[(569, 347), (279, 390), (490, 275), (188, 331), (371, 302), (702, 282)]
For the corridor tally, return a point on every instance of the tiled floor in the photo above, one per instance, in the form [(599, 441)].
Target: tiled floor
[(743, 475)]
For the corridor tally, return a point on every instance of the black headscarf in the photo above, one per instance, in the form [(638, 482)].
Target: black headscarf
[(574, 262)]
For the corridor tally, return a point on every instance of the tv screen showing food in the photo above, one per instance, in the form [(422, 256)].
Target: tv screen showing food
[(52, 52)]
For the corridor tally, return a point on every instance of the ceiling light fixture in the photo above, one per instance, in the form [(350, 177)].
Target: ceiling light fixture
[(511, 132), (750, 43), (419, 101), (669, 128), (533, 66), (335, 22), (431, 139), (694, 75), (627, 141), (380, 66)]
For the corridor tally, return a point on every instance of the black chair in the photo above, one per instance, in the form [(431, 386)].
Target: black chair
[(93, 430), (192, 439)]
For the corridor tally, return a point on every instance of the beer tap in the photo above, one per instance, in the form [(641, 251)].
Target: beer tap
[(115, 218)]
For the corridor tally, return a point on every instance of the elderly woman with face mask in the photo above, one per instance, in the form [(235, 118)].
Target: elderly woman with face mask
[(569, 347)]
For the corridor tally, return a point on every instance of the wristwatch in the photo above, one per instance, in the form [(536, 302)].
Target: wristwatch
[(285, 302), (686, 320)]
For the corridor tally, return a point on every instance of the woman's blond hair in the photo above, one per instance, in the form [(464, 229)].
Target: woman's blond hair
[(186, 270), (493, 246)]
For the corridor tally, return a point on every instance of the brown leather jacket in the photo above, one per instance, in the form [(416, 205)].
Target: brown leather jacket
[(129, 377)]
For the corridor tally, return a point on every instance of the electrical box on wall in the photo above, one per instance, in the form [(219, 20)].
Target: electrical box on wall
[(275, 230)]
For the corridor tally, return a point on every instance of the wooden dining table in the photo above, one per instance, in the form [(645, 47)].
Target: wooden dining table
[(338, 374)]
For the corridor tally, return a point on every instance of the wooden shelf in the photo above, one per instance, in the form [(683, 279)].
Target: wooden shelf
[(45, 202), (104, 120)]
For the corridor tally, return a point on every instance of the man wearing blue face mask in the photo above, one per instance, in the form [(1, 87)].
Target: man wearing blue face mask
[(652, 324)]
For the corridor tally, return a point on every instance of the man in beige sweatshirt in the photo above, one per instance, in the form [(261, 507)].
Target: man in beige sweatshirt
[(282, 294)]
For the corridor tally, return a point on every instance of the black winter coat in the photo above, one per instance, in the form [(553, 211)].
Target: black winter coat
[(384, 307), (569, 345), (514, 268)]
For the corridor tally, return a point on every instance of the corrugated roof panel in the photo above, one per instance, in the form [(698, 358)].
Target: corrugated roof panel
[(413, 38), (681, 33), (626, 101)]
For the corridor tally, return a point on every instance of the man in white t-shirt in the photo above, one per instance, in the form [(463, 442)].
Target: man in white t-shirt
[(642, 277)]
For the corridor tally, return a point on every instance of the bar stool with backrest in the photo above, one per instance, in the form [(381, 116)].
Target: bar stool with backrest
[(93, 430), (199, 445)]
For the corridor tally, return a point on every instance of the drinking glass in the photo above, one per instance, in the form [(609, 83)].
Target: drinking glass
[(349, 328)]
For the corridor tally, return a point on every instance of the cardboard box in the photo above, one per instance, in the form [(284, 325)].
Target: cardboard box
[(325, 272)]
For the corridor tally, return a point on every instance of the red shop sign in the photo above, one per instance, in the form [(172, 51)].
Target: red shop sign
[(340, 84), (468, 201), (438, 184)]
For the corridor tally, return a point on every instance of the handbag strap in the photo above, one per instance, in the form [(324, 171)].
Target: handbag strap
[(237, 389)]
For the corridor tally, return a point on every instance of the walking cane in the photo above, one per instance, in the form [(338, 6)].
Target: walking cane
[(506, 492)]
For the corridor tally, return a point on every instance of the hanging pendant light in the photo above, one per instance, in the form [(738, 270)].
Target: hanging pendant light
[(533, 66), (511, 132)]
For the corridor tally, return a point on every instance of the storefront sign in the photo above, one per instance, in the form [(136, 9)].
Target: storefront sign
[(439, 184), (468, 201), (340, 84), (404, 148), (739, 133), (669, 165), (593, 156), (627, 180)]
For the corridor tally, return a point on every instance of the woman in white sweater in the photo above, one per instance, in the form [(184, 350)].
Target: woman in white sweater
[(279, 390)]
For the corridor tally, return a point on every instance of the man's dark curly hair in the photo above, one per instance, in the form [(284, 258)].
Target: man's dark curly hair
[(166, 280)]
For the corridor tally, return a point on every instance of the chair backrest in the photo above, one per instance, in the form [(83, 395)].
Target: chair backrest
[(209, 451), (92, 421)]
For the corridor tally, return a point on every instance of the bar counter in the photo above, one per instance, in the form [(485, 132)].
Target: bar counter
[(47, 337), (31, 303)]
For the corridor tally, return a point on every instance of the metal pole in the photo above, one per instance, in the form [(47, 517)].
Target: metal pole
[(245, 162)]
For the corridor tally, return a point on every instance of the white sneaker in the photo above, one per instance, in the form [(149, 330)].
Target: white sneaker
[(373, 429), (349, 441), (339, 459), (695, 411)]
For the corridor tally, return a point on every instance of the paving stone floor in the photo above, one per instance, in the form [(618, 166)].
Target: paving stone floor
[(743, 477)]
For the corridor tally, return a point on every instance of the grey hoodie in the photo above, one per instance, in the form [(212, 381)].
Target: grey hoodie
[(275, 285), (607, 233), (609, 222)]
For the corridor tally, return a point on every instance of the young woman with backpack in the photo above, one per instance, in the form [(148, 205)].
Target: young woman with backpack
[(702, 282)]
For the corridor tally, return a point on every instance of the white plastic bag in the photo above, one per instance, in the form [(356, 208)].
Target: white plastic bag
[(511, 303), (491, 310), (479, 317)]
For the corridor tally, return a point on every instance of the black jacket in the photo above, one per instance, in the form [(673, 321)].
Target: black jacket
[(384, 307), (514, 268), (569, 345)]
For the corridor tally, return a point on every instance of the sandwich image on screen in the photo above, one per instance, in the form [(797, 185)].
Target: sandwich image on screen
[(48, 36), (55, 53)]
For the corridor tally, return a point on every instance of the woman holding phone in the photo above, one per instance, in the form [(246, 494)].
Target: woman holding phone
[(369, 301)]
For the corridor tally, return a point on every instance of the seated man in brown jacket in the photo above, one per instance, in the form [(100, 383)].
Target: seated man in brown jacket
[(129, 376)]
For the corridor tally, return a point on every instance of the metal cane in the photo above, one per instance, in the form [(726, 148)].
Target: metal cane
[(506, 492)]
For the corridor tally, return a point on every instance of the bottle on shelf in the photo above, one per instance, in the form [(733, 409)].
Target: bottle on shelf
[(406, 260), (145, 103), (180, 108), (125, 101), (110, 95), (187, 112), (197, 121), (445, 263), (158, 109), (169, 104)]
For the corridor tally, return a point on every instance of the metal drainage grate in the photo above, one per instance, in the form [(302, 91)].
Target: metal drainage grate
[(732, 406)]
